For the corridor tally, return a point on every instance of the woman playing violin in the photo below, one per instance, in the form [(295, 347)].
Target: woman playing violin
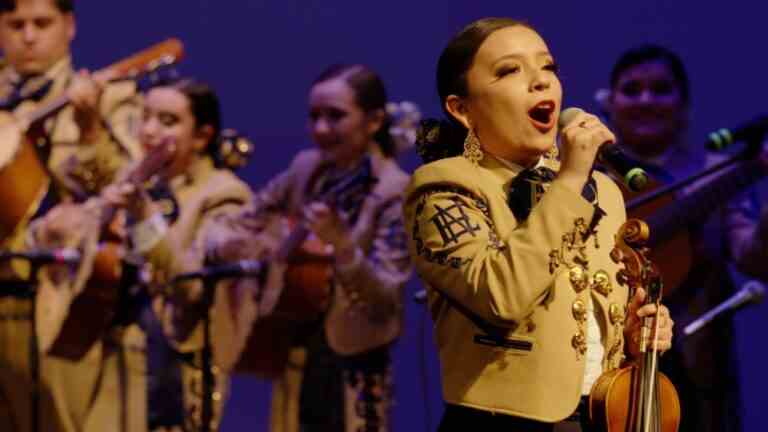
[(513, 244)]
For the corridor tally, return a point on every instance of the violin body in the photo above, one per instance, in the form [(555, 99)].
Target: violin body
[(611, 410), (637, 397)]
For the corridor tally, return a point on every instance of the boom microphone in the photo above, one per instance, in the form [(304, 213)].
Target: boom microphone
[(610, 154), (242, 268), (39, 257), (751, 292)]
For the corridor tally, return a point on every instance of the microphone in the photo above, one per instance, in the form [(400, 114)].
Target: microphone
[(40, 257), (634, 177), (242, 268), (751, 293), (722, 138)]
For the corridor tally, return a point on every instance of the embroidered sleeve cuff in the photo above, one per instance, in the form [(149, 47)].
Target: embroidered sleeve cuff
[(147, 233)]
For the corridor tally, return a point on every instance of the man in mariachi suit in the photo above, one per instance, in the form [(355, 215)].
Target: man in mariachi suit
[(84, 146)]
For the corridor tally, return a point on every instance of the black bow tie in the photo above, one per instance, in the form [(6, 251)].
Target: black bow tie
[(529, 186), (33, 88)]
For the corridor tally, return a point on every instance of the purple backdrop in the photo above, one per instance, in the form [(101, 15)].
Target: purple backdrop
[(261, 55)]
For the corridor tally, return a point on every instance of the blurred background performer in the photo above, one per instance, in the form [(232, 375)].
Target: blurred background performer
[(151, 379), (338, 375), (88, 141), (514, 245), (648, 107)]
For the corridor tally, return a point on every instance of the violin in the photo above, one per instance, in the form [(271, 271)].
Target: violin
[(637, 397)]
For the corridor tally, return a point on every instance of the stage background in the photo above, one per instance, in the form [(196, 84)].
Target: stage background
[(262, 55)]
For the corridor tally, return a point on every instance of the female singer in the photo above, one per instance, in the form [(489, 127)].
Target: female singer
[(514, 244)]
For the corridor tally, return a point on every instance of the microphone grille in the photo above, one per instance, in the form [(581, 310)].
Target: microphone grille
[(567, 116)]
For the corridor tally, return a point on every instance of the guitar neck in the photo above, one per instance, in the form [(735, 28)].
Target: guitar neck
[(703, 201)]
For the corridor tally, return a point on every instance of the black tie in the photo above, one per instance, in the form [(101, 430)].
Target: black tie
[(28, 88), (529, 186)]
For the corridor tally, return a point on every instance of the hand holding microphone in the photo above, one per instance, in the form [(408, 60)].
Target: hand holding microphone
[(585, 138)]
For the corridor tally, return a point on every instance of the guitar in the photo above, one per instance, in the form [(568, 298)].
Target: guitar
[(70, 321), (24, 180), (253, 321), (670, 217)]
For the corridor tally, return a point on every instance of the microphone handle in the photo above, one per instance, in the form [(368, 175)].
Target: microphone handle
[(633, 176)]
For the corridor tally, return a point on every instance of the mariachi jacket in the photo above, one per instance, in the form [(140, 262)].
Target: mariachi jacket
[(507, 296)]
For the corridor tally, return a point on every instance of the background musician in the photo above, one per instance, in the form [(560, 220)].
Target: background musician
[(148, 372), (649, 106), (85, 144), (338, 375)]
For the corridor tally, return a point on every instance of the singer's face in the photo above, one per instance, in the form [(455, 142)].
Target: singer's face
[(514, 95), (168, 118), (35, 35), (647, 108), (337, 124)]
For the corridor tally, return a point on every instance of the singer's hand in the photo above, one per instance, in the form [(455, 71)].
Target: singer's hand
[(634, 324), (581, 140)]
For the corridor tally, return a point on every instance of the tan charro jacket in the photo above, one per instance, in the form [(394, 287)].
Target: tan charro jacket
[(528, 280), (376, 279)]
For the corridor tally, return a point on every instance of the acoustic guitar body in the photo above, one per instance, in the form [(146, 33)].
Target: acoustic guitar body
[(68, 326), (254, 323), (23, 178), (673, 255)]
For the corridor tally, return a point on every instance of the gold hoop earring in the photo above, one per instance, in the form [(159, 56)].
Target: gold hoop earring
[(472, 150)]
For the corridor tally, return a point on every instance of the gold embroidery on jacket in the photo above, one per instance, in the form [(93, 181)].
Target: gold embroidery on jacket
[(573, 249)]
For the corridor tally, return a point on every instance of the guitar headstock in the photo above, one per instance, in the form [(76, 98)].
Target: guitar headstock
[(151, 169), (404, 117), (639, 271), (152, 60)]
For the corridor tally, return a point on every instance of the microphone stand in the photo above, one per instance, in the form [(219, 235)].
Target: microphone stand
[(208, 379), (34, 355), (206, 361)]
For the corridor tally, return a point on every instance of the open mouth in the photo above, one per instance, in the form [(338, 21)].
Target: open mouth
[(542, 115)]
